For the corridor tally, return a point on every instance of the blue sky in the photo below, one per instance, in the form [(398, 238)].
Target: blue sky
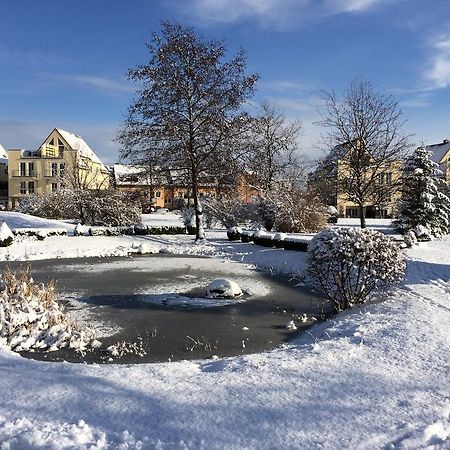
[(63, 62)]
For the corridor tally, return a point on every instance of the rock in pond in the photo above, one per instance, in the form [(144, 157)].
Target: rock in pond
[(223, 288)]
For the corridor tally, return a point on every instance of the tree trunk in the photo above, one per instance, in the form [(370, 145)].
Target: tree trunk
[(199, 232), (362, 216)]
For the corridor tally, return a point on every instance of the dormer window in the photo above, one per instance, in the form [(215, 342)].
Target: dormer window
[(60, 148)]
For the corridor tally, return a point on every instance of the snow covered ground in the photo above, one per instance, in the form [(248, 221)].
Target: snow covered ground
[(375, 377)]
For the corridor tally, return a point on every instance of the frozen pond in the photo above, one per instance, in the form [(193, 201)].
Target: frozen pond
[(159, 302)]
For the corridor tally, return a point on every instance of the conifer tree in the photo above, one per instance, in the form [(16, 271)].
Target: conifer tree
[(424, 208)]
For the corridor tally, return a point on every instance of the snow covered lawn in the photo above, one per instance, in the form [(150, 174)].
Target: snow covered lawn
[(375, 377)]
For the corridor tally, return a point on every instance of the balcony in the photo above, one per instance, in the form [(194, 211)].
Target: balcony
[(24, 174), (30, 154), (52, 174)]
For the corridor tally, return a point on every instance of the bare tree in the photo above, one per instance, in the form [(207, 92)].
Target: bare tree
[(365, 137), (272, 147), (188, 108), (82, 176)]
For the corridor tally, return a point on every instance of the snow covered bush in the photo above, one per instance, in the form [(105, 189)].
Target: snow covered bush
[(295, 243), (348, 264), (278, 239), (31, 317), (109, 209), (188, 217), (78, 230), (262, 238), (103, 208), (6, 235), (227, 210), (300, 212), (289, 209), (424, 207), (234, 233), (40, 233), (247, 236), (141, 229), (51, 205)]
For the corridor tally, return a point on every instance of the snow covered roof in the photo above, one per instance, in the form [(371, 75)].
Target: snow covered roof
[(136, 175), (439, 151), (78, 143), (3, 155)]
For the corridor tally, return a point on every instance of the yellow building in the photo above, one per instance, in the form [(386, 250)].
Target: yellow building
[(440, 154), (383, 191), (3, 177), (161, 188), (333, 181), (63, 160)]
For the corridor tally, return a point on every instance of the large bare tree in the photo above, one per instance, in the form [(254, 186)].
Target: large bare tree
[(188, 107), (272, 146), (365, 137)]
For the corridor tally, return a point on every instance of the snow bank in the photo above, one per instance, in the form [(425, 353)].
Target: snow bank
[(374, 377)]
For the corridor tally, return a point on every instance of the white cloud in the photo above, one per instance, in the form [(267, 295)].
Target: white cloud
[(101, 84), (351, 6), (438, 72), (271, 13), (284, 86), (419, 100)]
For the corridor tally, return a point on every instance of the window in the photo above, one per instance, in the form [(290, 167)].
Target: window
[(54, 187), (23, 169), (62, 168), (157, 194), (54, 170), (31, 169), (23, 187), (60, 148), (31, 187), (167, 200), (385, 196), (385, 178), (352, 212)]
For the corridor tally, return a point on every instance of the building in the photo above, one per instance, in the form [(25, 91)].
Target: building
[(161, 188), (3, 177), (63, 160), (440, 154), (381, 183)]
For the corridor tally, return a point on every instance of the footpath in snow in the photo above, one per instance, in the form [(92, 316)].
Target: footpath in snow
[(374, 377)]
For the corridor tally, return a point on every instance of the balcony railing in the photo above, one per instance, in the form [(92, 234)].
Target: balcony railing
[(52, 174), (24, 173)]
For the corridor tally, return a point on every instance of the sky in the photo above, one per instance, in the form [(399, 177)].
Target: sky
[(63, 63)]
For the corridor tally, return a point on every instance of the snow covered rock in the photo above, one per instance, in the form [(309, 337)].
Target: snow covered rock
[(6, 235), (223, 288), (291, 326), (78, 230), (145, 249)]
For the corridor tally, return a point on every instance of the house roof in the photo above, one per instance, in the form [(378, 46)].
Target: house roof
[(76, 142), (439, 151), (136, 175), (3, 155)]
